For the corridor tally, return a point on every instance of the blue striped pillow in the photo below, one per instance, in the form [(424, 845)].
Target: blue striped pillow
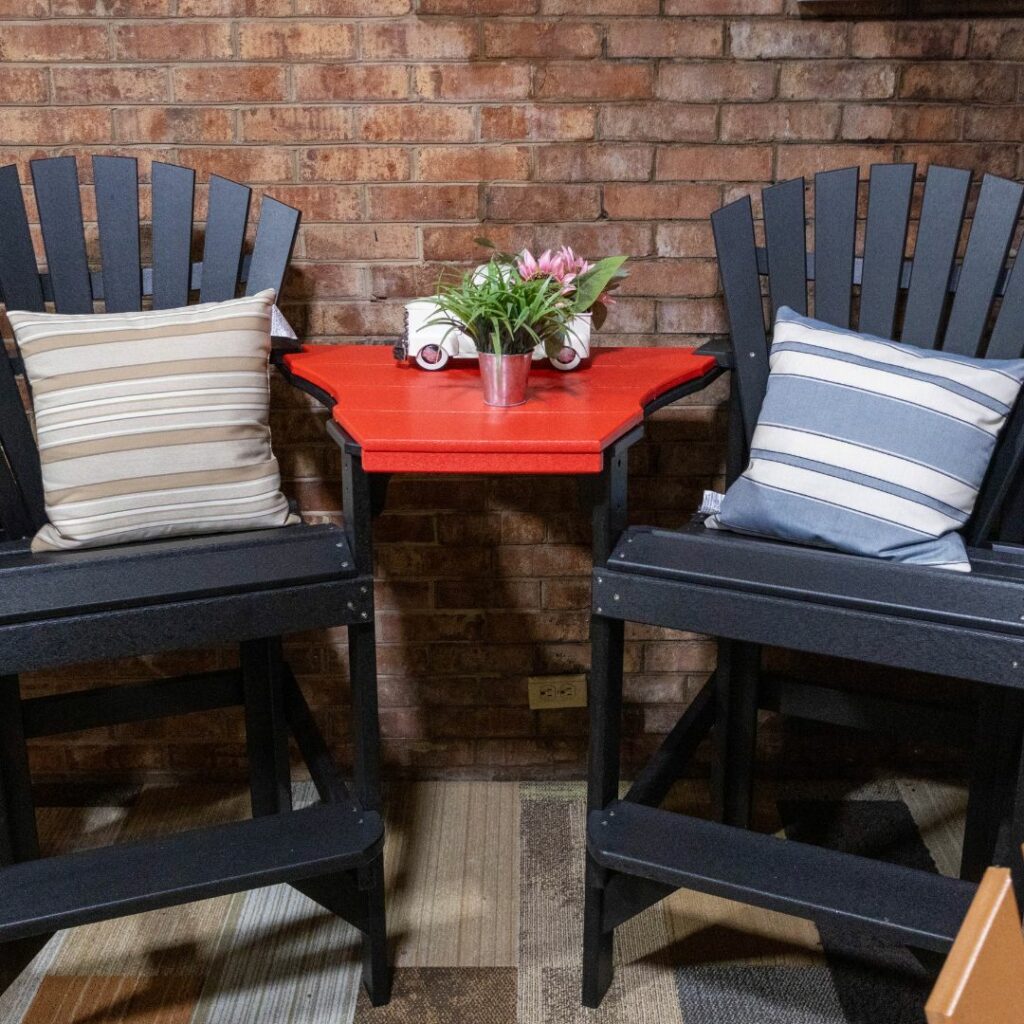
[(869, 446)]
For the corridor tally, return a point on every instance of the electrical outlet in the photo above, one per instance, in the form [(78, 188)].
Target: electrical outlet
[(558, 692)]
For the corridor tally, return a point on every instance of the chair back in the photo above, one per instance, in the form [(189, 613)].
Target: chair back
[(957, 290), (121, 281), (982, 980)]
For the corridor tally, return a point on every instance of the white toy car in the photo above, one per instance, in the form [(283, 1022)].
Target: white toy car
[(433, 346)]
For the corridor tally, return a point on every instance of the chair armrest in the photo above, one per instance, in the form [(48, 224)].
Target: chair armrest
[(720, 349)]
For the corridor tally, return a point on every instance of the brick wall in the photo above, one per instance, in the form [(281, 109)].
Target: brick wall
[(399, 127)]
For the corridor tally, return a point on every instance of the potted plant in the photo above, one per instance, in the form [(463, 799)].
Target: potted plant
[(516, 305)]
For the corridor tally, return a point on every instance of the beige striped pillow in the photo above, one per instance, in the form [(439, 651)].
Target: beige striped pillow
[(152, 424)]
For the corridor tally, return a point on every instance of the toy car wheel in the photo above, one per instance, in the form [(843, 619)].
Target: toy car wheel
[(432, 357), (567, 359)]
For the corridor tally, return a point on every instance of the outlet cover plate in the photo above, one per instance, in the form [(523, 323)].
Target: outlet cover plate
[(565, 691)]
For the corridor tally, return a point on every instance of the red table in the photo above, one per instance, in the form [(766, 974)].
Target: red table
[(408, 420)]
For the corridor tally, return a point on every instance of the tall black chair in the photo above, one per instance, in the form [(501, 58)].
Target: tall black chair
[(749, 592), (247, 588)]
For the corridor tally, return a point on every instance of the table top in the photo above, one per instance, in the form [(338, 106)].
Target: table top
[(408, 420)]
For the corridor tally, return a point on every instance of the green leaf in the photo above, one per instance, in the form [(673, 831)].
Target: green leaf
[(591, 285)]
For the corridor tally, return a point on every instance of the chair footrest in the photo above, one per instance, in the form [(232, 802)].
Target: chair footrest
[(895, 902), (94, 885)]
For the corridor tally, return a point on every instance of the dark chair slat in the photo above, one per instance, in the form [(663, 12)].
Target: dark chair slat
[(1007, 340), (835, 224), (733, 227), (942, 213), (19, 274), (786, 245), (173, 195), (60, 216), (117, 210), (884, 243), (275, 239), (225, 235), (991, 233)]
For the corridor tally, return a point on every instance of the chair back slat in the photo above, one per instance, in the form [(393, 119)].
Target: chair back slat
[(55, 180), (938, 233), (173, 197), (19, 273), (786, 244), (225, 236), (733, 227), (1007, 339), (117, 211), (272, 250), (885, 240), (835, 232), (984, 262)]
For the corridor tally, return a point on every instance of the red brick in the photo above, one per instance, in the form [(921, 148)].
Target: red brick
[(105, 85), (902, 123), (24, 8), (472, 81), (175, 41), (601, 238), (295, 124), (174, 124), (251, 164), (553, 122), (796, 160), (990, 158), (322, 202), (705, 83), (24, 126), (614, 7), (354, 8), (415, 123), (459, 243), (231, 83), (472, 163), (692, 316), (53, 41), (670, 278), (350, 82), (23, 85), (690, 7), (354, 163), (296, 41), (594, 81), (997, 40), (422, 202), (420, 40), (543, 202), (478, 7), (407, 281), (658, 37), (359, 242), (764, 40), (780, 121), (111, 8), (557, 39), (986, 83), (931, 40), (714, 163), (671, 122), (693, 239), (329, 319), (660, 202), (233, 8), (995, 123), (601, 162), (837, 80)]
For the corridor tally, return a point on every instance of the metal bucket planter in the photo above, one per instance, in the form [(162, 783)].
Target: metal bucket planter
[(504, 378)]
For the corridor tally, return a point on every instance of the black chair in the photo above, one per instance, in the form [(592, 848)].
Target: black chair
[(749, 592), (249, 588)]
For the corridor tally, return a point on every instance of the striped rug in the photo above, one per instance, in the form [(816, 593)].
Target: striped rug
[(485, 909)]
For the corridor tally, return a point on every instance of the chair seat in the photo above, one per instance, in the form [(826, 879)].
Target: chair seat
[(991, 597), (55, 584)]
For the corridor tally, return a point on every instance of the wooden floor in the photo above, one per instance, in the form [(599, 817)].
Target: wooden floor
[(484, 911)]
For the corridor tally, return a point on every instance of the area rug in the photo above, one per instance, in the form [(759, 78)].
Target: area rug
[(485, 907)]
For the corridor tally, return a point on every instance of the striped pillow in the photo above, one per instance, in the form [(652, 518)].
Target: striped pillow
[(869, 446), (152, 424)]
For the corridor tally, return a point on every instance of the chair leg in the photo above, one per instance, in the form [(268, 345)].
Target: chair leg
[(266, 728), (362, 651), (994, 760), (735, 735), (605, 701), (19, 839)]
